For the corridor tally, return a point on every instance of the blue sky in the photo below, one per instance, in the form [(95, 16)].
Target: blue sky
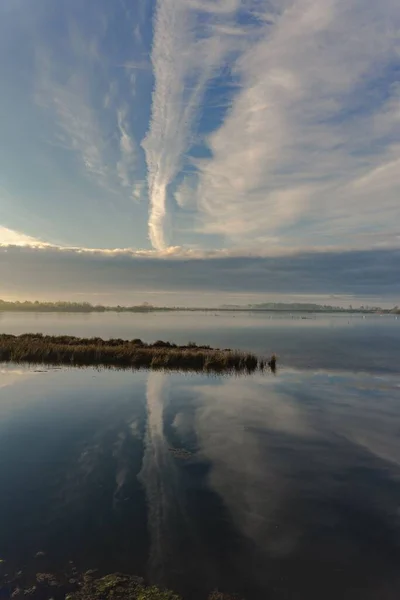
[(200, 128)]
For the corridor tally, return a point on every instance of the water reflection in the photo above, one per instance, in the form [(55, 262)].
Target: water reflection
[(161, 481), (308, 469), (188, 525), (273, 487), (299, 475)]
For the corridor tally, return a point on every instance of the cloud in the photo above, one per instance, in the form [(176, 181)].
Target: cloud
[(128, 160), (316, 119), (79, 126), (270, 124), (222, 7), (33, 271), (167, 137), (315, 114), (138, 65), (89, 101), (185, 57), (185, 191)]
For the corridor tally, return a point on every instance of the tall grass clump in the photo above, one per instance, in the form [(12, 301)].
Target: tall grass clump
[(37, 348)]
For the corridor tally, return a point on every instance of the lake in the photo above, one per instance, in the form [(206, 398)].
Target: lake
[(332, 341), (281, 486)]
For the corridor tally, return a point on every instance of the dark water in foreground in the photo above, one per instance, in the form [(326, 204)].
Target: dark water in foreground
[(274, 487), (281, 487)]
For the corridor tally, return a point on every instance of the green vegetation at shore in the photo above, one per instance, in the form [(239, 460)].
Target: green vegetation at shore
[(72, 585), (36, 348), (86, 307)]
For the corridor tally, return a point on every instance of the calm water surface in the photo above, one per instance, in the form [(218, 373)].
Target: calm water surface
[(281, 487), (334, 341)]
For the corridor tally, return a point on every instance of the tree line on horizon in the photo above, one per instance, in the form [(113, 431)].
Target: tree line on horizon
[(86, 307), (64, 306)]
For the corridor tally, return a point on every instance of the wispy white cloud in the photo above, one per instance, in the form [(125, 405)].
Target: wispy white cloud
[(111, 94), (185, 192), (309, 143), (98, 133), (222, 7), (316, 111), (185, 57), (168, 135), (127, 162), (137, 65), (79, 126)]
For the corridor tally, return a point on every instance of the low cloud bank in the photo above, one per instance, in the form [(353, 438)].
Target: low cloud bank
[(33, 271)]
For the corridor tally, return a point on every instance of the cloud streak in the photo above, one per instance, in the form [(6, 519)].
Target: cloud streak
[(186, 55)]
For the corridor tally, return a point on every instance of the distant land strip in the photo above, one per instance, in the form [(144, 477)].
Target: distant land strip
[(86, 307), (36, 348)]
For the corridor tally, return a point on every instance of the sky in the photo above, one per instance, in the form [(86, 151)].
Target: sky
[(186, 147)]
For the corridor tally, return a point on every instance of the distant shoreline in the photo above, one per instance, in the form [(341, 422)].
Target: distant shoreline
[(85, 307), (35, 348)]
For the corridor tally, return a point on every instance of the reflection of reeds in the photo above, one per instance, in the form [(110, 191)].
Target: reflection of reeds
[(37, 348)]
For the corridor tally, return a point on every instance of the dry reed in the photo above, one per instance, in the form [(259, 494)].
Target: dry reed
[(35, 348)]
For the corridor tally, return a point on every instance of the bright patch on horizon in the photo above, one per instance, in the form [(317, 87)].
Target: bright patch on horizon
[(15, 238)]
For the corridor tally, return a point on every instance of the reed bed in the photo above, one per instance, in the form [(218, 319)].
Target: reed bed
[(36, 348)]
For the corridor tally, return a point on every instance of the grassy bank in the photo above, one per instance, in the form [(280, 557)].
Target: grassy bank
[(67, 350)]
